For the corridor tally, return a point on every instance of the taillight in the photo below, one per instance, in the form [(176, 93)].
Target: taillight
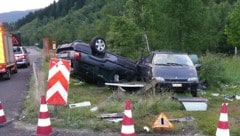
[(22, 57), (77, 55)]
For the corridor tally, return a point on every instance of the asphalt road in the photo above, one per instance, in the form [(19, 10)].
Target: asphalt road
[(12, 94)]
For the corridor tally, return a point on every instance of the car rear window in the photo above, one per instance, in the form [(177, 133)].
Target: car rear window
[(17, 50)]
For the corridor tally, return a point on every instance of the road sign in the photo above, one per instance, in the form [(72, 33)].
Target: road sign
[(54, 45), (46, 46), (58, 81), (162, 122), (16, 39)]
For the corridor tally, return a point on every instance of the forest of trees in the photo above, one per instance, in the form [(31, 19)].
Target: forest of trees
[(192, 26)]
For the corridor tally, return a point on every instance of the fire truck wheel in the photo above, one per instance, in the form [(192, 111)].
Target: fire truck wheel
[(7, 76)]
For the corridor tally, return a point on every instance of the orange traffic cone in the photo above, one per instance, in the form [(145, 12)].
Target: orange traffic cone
[(3, 119), (44, 123), (223, 128), (127, 123)]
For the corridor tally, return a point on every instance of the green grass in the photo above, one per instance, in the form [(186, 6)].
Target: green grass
[(145, 108)]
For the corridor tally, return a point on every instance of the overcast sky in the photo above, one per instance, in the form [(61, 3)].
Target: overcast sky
[(21, 5)]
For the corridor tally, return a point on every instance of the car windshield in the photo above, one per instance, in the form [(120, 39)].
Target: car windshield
[(172, 59), (17, 50)]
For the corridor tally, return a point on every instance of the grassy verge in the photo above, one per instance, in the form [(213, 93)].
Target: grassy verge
[(145, 108)]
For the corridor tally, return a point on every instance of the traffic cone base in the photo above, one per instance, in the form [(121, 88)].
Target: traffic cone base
[(44, 131), (128, 130), (50, 134), (222, 132)]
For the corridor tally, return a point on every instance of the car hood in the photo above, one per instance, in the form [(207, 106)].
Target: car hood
[(174, 72)]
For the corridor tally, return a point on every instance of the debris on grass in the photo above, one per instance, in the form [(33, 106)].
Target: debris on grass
[(115, 120), (237, 97), (79, 83), (186, 119), (229, 97), (193, 103), (81, 104), (94, 109), (215, 94), (112, 117), (146, 128)]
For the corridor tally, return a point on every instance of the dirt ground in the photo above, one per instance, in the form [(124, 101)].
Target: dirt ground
[(31, 129)]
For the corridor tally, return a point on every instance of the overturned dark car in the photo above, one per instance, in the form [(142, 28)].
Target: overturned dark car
[(93, 64)]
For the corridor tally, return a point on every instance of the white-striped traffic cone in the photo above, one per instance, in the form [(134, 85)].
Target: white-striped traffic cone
[(3, 119), (44, 123), (223, 128), (127, 123)]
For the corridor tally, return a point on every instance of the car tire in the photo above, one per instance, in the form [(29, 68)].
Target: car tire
[(194, 93), (15, 70), (98, 45), (7, 75)]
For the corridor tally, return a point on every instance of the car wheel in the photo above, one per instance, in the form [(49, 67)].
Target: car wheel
[(116, 78), (98, 45), (15, 70)]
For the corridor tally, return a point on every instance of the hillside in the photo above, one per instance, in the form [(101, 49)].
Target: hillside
[(10, 17), (190, 26)]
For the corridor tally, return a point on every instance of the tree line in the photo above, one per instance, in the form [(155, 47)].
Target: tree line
[(192, 26)]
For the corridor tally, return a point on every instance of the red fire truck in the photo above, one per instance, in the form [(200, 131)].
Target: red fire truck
[(7, 59)]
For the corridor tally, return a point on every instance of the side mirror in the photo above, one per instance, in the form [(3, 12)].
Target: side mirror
[(198, 66)]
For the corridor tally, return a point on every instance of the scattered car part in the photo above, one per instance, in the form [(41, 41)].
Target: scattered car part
[(112, 117), (193, 103), (186, 119), (81, 104)]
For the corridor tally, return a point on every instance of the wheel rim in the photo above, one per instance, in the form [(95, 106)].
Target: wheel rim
[(9, 74), (116, 78), (100, 45)]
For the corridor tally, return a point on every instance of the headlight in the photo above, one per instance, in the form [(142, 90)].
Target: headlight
[(160, 79), (193, 79)]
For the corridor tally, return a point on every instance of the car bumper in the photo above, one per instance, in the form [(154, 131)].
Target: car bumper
[(22, 62)]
